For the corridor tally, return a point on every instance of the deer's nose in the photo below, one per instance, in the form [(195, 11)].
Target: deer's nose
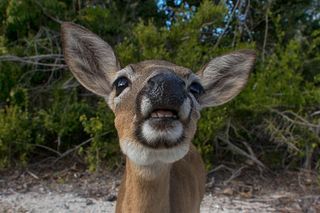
[(166, 89)]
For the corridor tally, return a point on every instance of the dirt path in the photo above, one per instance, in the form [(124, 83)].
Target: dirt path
[(73, 190), (53, 202), (37, 202)]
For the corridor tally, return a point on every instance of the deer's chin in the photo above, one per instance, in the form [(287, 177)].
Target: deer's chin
[(162, 125), (144, 155), (160, 133)]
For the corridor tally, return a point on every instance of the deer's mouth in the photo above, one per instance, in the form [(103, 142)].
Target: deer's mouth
[(163, 119), (161, 122), (161, 127), (164, 114)]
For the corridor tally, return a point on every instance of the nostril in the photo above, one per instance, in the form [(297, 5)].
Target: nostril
[(151, 85), (151, 81), (182, 83), (154, 83)]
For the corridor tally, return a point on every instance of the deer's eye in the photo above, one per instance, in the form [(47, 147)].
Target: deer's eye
[(196, 89), (120, 84)]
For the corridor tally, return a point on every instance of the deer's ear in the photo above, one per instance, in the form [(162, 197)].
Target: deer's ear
[(91, 60), (225, 76)]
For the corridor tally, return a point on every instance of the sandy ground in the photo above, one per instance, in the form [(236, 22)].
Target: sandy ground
[(75, 190), (53, 202), (36, 202)]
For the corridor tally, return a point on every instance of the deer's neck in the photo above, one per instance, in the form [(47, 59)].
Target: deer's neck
[(146, 188)]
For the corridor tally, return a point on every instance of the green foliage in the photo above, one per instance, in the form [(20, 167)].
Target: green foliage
[(19, 131), (13, 145), (181, 44), (282, 102), (61, 118), (278, 108), (104, 145), (212, 120), (96, 18), (9, 76)]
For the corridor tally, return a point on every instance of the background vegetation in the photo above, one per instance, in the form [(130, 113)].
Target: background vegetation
[(275, 123)]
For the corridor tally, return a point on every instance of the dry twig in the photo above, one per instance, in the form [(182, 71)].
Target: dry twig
[(302, 122), (266, 31), (227, 25), (234, 175), (47, 14), (34, 60), (33, 175), (221, 166), (237, 149), (66, 153)]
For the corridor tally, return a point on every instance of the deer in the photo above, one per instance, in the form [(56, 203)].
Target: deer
[(157, 105)]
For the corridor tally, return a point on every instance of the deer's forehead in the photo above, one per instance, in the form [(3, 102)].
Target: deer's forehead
[(148, 68)]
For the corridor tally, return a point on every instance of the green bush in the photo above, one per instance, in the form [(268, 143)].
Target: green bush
[(61, 118), (19, 131), (275, 116), (104, 145)]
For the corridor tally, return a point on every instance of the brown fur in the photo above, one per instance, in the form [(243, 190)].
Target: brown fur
[(178, 188)]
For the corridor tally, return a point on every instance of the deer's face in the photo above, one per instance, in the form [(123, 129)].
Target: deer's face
[(156, 107), (156, 103)]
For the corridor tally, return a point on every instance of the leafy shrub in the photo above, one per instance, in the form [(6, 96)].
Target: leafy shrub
[(104, 145), (61, 118), (276, 116), (18, 132)]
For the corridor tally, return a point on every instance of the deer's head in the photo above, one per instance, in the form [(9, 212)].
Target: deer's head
[(156, 103)]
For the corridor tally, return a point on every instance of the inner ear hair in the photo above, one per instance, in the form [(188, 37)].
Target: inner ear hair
[(225, 76), (91, 60)]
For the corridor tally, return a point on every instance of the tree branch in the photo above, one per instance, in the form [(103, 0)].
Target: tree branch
[(265, 32), (227, 25), (33, 60)]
